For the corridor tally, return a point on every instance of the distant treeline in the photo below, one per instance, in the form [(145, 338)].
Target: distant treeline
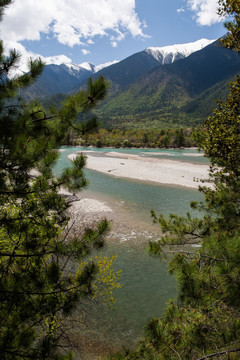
[(152, 138)]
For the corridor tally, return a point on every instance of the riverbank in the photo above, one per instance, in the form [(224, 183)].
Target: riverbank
[(131, 229), (92, 207), (87, 209), (140, 137), (149, 169)]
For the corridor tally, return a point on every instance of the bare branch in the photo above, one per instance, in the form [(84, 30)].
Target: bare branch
[(225, 352)]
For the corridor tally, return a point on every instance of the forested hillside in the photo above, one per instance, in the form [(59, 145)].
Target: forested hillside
[(182, 93), (42, 276), (147, 91), (203, 252)]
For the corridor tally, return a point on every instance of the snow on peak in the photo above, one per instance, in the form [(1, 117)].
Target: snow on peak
[(71, 67), (169, 54), (102, 66), (87, 66)]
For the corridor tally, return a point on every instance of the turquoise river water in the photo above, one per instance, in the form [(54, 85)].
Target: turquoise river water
[(147, 286)]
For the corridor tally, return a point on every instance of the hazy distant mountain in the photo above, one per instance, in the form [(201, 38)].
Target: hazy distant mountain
[(158, 86), (76, 70), (56, 79), (69, 77), (62, 79)]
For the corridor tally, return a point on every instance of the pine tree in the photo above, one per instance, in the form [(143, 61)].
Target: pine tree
[(204, 322), (42, 276)]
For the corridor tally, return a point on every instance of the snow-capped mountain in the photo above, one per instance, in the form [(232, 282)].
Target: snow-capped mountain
[(164, 55), (130, 69), (75, 70), (64, 78), (150, 84), (67, 77), (78, 71), (169, 54), (102, 66), (182, 92)]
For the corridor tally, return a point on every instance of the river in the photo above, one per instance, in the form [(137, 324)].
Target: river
[(147, 286)]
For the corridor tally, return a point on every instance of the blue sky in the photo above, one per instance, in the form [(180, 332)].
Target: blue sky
[(100, 31)]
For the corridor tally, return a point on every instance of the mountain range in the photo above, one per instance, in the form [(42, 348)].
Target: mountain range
[(167, 86)]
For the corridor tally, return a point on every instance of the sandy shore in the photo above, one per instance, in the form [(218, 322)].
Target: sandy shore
[(150, 169), (86, 211), (161, 171)]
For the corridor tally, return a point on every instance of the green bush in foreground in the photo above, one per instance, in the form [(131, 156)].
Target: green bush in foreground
[(43, 276), (204, 323)]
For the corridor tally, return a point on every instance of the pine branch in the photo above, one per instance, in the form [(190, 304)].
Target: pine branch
[(14, 255), (23, 355), (29, 293), (176, 353), (219, 353), (200, 255)]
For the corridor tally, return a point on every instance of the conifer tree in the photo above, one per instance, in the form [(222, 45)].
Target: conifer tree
[(40, 280), (204, 322)]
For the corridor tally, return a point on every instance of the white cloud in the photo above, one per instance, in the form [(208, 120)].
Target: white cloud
[(85, 52), (180, 10), (205, 11), (114, 44), (25, 19), (73, 22), (58, 59), (27, 55), (115, 39)]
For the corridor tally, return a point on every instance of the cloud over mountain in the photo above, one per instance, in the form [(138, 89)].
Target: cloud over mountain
[(205, 11), (73, 29), (72, 22)]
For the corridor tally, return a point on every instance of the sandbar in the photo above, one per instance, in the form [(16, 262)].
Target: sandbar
[(148, 169)]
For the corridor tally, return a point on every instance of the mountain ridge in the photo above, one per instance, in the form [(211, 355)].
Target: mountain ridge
[(171, 53), (144, 92), (125, 72), (67, 77), (169, 88)]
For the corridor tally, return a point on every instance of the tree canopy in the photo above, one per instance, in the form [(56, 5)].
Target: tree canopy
[(43, 274), (204, 251)]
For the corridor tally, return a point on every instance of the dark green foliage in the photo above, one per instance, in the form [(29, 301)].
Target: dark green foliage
[(223, 127), (231, 8), (40, 283), (150, 138), (202, 105), (145, 94), (204, 252), (129, 70), (182, 93)]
